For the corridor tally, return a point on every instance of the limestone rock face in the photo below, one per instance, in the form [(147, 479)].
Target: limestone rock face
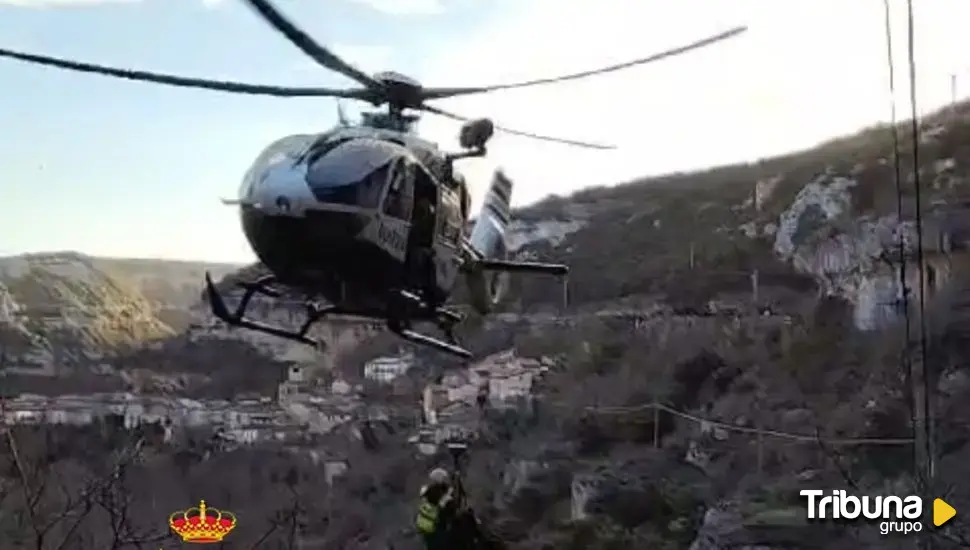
[(851, 256), (62, 310)]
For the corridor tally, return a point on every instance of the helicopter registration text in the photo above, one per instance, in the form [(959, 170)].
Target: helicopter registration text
[(392, 237)]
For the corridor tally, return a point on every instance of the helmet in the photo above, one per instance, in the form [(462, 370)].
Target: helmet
[(438, 475)]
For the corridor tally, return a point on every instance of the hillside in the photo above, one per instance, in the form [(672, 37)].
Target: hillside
[(170, 286), (638, 238), (166, 282), (70, 311), (67, 310)]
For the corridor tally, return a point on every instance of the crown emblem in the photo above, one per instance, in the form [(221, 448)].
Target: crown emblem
[(202, 525)]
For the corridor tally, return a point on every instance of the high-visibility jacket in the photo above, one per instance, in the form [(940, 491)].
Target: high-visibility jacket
[(427, 519), (428, 512)]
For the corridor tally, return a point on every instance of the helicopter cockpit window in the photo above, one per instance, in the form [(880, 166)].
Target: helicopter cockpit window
[(365, 193), (400, 197), (321, 147), (287, 149)]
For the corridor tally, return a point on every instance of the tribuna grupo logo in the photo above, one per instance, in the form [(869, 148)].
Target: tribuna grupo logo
[(895, 514), (202, 525)]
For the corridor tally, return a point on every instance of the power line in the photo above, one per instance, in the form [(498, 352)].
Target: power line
[(757, 431), (898, 180), (929, 469), (915, 131), (919, 381)]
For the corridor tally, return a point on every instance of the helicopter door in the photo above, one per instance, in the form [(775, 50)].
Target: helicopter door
[(396, 210), (420, 264), (426, 209), (449, 234), (400, 196)]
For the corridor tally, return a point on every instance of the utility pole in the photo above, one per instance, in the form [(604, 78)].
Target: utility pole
[(914, 363), (923, 463), (953, 94), (756, 206)]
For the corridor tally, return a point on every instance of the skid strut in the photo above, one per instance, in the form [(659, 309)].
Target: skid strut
[(406, 303), (261, 286), (406, 306)]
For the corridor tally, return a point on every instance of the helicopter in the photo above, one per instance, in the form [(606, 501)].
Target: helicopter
[(370, 220)]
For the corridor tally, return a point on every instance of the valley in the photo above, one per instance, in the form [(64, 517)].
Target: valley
[(732, 336)]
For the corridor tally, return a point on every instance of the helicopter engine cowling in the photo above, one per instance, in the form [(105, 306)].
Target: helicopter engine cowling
[(488, 238)]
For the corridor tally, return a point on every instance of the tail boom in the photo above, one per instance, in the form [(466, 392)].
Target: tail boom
[(487, 275)]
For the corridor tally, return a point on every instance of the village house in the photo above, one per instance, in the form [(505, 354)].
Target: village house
[(434, 397), (193, 414), (253, 422), (341, 387), (295, 388), (246, 420), (386, 369), (325, 419), (75, 410)]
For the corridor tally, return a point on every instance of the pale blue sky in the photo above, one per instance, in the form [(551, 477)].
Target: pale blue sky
[(128, 169)]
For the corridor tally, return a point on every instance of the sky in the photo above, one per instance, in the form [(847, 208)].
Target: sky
[(117, 168)]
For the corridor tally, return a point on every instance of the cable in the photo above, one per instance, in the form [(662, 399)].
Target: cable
[(923, 466), (813, 437), (907, 363), (897, 176), (924, 352)]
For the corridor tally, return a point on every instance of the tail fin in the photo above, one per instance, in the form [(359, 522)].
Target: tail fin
[(488, 238), (488, 235)]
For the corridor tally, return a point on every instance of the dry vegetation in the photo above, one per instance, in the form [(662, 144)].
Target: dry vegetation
[(104, 487), (594, 417), (638, 237)]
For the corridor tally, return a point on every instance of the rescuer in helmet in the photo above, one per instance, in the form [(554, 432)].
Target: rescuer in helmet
[(445, 523), (437, 510)]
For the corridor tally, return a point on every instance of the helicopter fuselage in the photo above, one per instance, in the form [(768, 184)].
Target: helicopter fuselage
[(332, 216), (324, 255), (370, 223)]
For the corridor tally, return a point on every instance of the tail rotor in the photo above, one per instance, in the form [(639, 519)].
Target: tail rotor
[(487, 277)]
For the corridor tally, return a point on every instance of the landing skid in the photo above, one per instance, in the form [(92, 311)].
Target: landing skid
[(405, 307), (445, 318)]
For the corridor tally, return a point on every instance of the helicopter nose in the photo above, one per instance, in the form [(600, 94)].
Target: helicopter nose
[(282, 191), (289, 245)]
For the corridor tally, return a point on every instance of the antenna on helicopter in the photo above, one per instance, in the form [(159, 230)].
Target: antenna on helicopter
[(396, 91), (342, 119)]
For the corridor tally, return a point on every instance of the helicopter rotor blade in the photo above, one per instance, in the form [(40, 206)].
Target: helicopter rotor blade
[(440, 93), (312, 48), (183, 81), (585, 144)]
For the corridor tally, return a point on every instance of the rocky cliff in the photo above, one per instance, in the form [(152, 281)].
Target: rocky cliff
[(62, 309), (170, 286), (827, 219), (65, 315)]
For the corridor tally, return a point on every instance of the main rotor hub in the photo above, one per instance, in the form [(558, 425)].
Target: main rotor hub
[(401, 91)]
